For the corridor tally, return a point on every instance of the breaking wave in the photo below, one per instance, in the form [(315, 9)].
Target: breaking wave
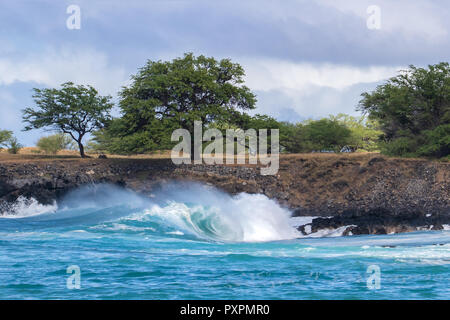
[(177, 210), (24, 207)]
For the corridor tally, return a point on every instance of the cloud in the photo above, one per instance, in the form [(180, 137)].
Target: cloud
[(292, 91), (303, 58), (19, 73), (281, 75), (54, 67), (419, 18), (297, 31), (316, 102)]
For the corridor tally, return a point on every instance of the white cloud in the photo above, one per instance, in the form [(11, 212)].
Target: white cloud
[(311, 89), (265, 75), (54, 67), (422, 18)]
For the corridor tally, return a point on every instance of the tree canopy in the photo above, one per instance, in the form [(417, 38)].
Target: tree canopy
[(74, 109), (174, 94), (365, 134), (315, 135), (413, 110), (5, 136)]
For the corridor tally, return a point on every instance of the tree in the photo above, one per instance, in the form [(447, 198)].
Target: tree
[(54, 143), (326, 134), (14, 146), (74, 109), (256, 122), (364, 132), (118, 138), (5, 136), (293, 137), (176, 93), (7, 140), (413, 110)]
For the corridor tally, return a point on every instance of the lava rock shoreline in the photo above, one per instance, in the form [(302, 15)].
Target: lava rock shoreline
[(370, 193)]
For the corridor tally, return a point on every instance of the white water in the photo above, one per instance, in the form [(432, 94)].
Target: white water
[(24, 207), (176, 210), (244, 218), (194, 209)]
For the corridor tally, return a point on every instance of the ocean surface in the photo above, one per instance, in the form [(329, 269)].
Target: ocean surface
[(195, 242)]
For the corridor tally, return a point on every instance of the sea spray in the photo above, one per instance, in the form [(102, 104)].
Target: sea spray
[(27, 207), (212, 214), (174, 209), (243, 218)]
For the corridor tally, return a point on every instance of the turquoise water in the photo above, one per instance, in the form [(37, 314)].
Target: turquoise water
[(193, 242)]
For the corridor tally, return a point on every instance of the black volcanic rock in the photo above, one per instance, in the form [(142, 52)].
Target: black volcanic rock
[(377, 195), (378, 221)]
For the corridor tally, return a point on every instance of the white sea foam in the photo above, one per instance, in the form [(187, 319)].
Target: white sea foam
[(246, 218), (24, 207), (308, 229), (122, 227), (301, 221), (330, 232), (176, 233)]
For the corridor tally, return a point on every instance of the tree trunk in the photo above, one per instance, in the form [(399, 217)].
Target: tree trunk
[(192, 149), (81, 147)]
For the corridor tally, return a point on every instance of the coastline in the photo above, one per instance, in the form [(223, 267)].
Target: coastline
[(369, 193)]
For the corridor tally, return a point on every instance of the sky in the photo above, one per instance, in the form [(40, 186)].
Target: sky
[(303, 58)]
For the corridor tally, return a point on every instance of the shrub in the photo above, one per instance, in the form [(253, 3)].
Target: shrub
[(404, 146), (14, 146), (54, 143), (5, 136), (437, 142)]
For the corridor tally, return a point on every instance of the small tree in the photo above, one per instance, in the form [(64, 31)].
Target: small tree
[(14, 145), (5, 136), (74, 110), (54, 143)]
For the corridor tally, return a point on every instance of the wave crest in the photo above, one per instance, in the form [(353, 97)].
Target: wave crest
[(243, 218), (27, 207), (191, 209)]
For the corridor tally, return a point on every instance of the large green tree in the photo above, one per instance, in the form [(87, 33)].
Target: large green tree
[(413, 110), (119, 137), (74, 109), (245, 122), (176, 93), (327, 134), (314, 135), (365, 134)]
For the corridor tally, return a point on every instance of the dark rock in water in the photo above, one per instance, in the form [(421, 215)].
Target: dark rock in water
[(5, 188), (379, 221)]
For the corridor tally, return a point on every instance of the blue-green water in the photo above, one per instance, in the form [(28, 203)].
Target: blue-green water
[(193, 242)]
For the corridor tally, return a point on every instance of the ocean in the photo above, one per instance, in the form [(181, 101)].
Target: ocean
[(196, 242)]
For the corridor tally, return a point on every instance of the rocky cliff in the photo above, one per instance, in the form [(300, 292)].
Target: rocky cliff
[(370, 193)]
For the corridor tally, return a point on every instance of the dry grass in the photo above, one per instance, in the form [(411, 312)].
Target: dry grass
[(34, 154)]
